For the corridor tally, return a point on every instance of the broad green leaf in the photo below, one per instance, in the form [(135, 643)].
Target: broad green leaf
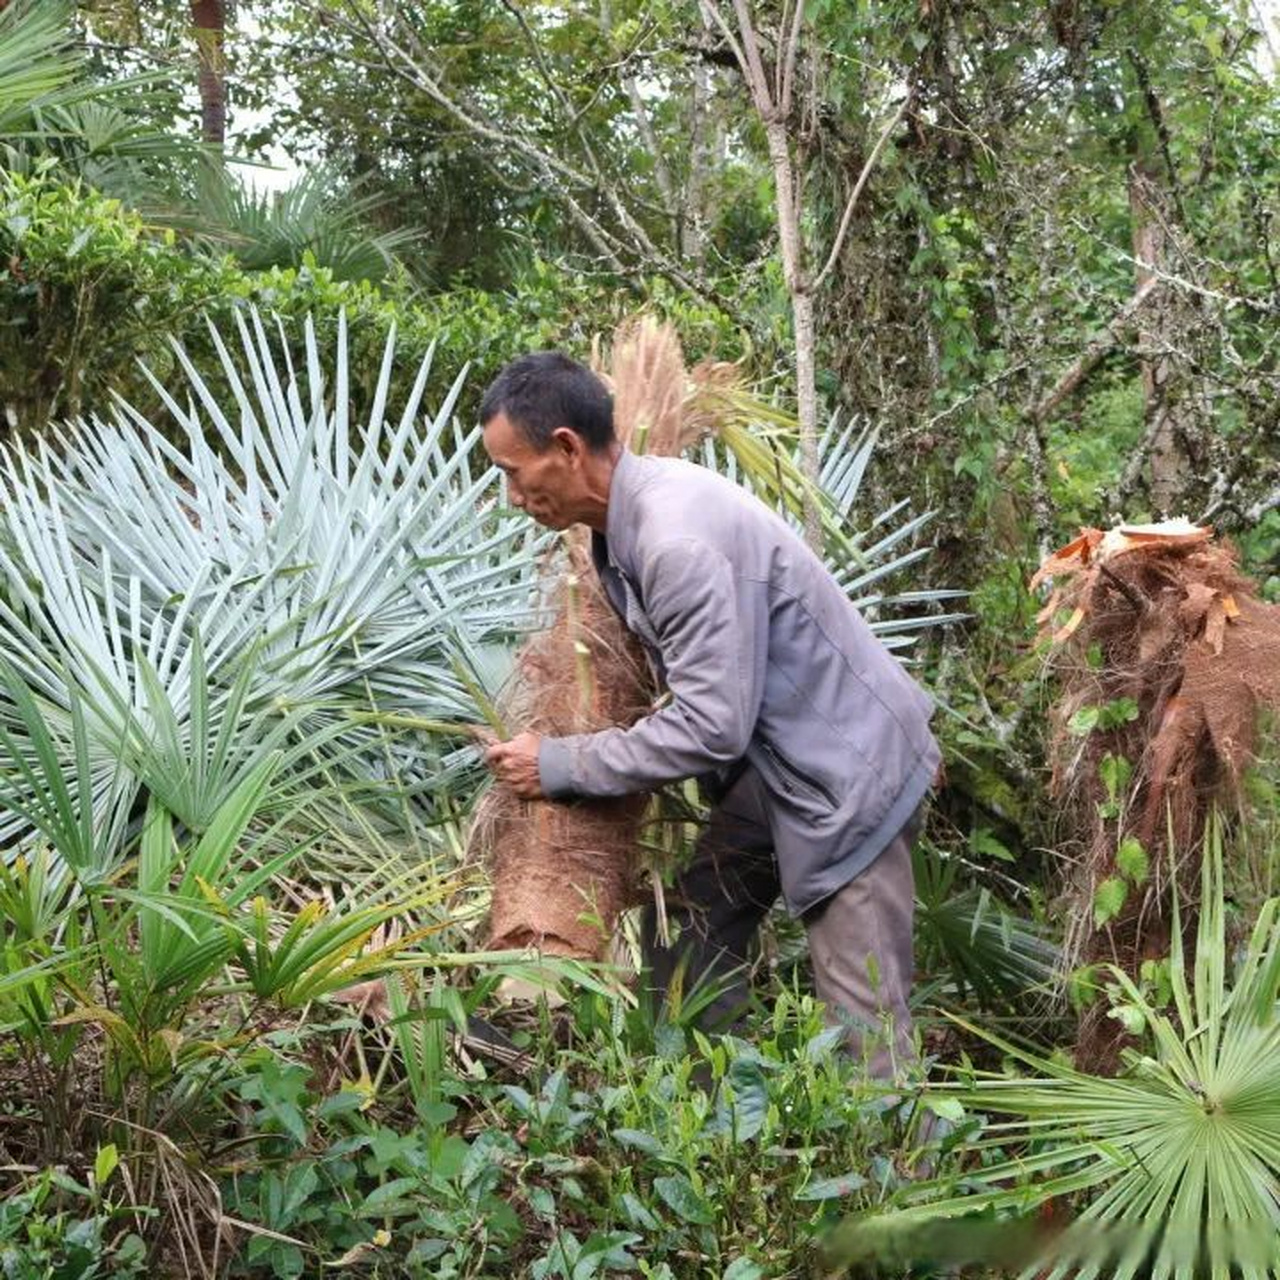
[(678, 1194), (1108, 900), (639, 1140), (1084, 721), (393, 1196), (749, 1098), (1131, 859), (104, 1164)]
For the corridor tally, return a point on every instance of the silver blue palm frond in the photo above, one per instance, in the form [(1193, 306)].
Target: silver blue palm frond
[(261, 560)]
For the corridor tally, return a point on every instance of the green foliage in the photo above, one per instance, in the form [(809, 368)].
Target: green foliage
[(56, 115), (1174, 1161), (59, 1229), (1115, 773), (1131, 858), (34, 59), (581, 114), (1108, 715), (88, 290), (970, 943), (1109, 899), (222, 764), (294, 592), (320, 219), (133, 950), (247, 634), (724, 1155)]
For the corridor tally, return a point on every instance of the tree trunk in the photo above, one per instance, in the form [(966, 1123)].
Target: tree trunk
[(209, 17), (1163, 398), (693, 230), (807, 405), (793, 270)]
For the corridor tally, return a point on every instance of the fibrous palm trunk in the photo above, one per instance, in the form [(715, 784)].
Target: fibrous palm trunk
[(209, 17), (1167, 659)]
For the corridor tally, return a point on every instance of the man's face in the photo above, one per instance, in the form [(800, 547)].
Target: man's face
[(543, 484)]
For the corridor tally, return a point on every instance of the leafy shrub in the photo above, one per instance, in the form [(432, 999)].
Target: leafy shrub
[(87, 290), (711, 1155), (60, 1229)]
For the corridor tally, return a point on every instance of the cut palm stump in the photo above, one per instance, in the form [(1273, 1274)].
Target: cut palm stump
[(1166, 658), (563, 873)]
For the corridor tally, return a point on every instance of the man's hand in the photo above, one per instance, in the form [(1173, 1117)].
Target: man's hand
[(515, 763)]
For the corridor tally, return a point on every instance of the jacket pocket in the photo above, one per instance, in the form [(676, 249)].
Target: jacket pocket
[(795, 781)]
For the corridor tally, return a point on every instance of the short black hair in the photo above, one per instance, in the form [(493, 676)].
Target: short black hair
[(545, 390)]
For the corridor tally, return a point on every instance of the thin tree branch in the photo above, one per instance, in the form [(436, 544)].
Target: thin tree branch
[(711, 12), (1229, 301), (756, 76), (787, 77), (535, 48), (1269, 502), (1095, 351), (561, 176), (661, 171), (404, 65), (843, 230), (1155, 113), (1132, 473)]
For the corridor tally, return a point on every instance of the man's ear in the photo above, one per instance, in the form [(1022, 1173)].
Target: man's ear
[(570, 444)]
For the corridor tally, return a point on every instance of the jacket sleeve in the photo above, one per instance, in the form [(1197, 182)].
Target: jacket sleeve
[(712, 634)]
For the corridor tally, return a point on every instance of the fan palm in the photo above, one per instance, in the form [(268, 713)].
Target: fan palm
[(321, 215), (1178, 1159), (861, 556), (104, 133), (35, 60), (969, 941), (278, 575)]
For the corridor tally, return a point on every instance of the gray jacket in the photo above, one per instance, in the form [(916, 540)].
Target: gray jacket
[(766, 660)]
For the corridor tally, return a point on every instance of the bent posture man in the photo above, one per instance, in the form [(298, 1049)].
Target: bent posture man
[(813, 739)]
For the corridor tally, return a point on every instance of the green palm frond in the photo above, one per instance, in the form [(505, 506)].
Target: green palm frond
[(971, 941), (1176, 1162), (36, 58), (765, 458), (322, 215), (51, 112), (174, 909)]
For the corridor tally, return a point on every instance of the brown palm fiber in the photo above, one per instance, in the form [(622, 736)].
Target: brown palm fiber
[(562, 873), (1173, 625)]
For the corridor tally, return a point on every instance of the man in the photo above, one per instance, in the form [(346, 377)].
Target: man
[(813, 740)]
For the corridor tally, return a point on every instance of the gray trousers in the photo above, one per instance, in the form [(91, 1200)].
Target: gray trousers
[(859, 938)]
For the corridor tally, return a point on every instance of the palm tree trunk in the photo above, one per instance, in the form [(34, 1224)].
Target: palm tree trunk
[(209, 17)]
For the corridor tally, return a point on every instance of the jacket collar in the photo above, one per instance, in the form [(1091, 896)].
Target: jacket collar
[(627, 479)]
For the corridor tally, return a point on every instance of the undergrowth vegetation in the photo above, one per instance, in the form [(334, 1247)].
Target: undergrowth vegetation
[(247, 1028), (260, 589)]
